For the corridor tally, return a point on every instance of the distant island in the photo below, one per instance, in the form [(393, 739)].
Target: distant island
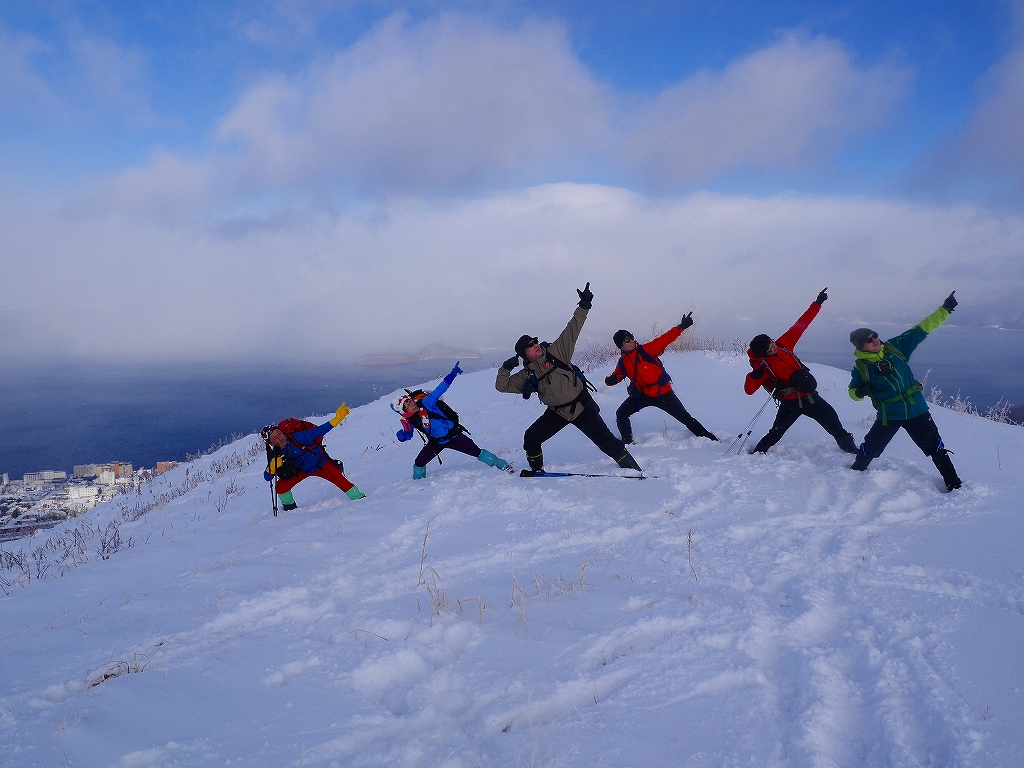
[(433, 351)]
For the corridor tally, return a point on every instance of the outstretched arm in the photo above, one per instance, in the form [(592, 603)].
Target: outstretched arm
[(792, 336)]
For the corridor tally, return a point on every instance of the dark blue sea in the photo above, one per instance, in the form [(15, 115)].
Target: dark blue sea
[(57, 416), (53, 417)]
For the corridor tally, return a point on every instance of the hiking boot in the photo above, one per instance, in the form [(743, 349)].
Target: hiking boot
[(628, 462), (945, 466), (861, 462), (289, 507), (509, 468)]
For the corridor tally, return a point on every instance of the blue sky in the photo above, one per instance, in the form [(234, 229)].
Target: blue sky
[(160, 158)]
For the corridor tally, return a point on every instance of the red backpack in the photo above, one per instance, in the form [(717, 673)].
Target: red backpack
[(298, 425)]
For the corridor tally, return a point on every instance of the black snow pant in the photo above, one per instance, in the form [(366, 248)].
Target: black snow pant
[(922, 431), (819, 410), (668, 402), (589, 423)]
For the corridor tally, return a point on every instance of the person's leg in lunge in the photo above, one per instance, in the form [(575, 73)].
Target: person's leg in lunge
[(593, 426), (670, 404), (823, 413), (788, 413), (630, 406), (874, 443), (547, 426)]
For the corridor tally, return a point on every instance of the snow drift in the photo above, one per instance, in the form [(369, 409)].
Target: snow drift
[(775, 610)]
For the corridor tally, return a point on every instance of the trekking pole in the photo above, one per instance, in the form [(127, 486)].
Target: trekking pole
[(273, 493), (749, 428)]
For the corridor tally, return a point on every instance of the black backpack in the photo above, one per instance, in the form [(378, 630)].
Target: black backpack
[(443, 410), (533, 384)]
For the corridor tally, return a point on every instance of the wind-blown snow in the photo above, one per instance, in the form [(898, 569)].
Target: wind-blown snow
[(775, 610)]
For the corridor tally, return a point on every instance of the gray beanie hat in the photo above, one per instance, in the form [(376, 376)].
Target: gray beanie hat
[(860, 337)]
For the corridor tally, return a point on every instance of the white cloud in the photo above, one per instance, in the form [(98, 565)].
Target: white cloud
[(445, 104), (485, 271), (76, 76), (992, 138), (456, 104), (783, 106), (22, 91)]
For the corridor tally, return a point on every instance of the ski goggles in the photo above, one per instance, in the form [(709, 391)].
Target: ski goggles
[(884, 367)]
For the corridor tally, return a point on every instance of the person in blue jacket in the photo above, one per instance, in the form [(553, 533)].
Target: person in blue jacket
[(296, 454), (439, 425), (882, 373)]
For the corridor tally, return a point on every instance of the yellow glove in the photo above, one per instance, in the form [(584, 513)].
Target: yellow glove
[(340, 414)]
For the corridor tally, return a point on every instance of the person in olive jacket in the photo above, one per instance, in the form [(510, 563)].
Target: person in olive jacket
[(881, 371), (548, 371)]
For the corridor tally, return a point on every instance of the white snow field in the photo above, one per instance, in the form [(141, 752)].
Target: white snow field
[(776, 610)]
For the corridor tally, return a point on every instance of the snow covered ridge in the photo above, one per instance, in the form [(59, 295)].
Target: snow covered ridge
[(775, 610)]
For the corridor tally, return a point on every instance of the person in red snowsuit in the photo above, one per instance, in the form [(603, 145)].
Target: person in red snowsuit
[(650, 383), (780, 372)]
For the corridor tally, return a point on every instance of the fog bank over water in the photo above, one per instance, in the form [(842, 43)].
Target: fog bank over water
[(58, 416)]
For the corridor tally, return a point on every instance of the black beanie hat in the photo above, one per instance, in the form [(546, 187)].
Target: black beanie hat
[(523, 343), (759, 344), (860, 337), (621, 337)]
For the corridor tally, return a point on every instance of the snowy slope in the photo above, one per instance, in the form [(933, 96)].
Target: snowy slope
[(773, 610)]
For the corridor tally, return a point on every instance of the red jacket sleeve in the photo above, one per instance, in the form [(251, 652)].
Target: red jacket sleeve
[(792, 336), (657, 347)]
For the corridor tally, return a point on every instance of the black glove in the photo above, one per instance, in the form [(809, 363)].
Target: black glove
[(511, 363), (822, 296), (586, 296), (863, 390), (950, 303), (611, 381), (687, 321), (757, 373)]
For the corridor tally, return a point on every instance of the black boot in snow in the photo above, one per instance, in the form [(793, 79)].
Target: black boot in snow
[(626, 461), (848, 444), (945, 466), (861, 462)]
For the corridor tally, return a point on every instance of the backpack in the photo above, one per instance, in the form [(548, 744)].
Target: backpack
[(663, 379), (443, 410), (533, 384), (288, 468), (801, 381)]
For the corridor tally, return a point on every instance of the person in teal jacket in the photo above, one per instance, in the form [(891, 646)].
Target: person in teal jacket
[(882, 372)]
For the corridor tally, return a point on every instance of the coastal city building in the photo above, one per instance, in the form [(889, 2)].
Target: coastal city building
[(46, 476), (118, 468)]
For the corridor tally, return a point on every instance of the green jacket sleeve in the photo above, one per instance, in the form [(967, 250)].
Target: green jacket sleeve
[(907, 341), (855, 382)]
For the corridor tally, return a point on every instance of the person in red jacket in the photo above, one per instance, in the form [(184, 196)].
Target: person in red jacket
[(780, 372), (650, 383)]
